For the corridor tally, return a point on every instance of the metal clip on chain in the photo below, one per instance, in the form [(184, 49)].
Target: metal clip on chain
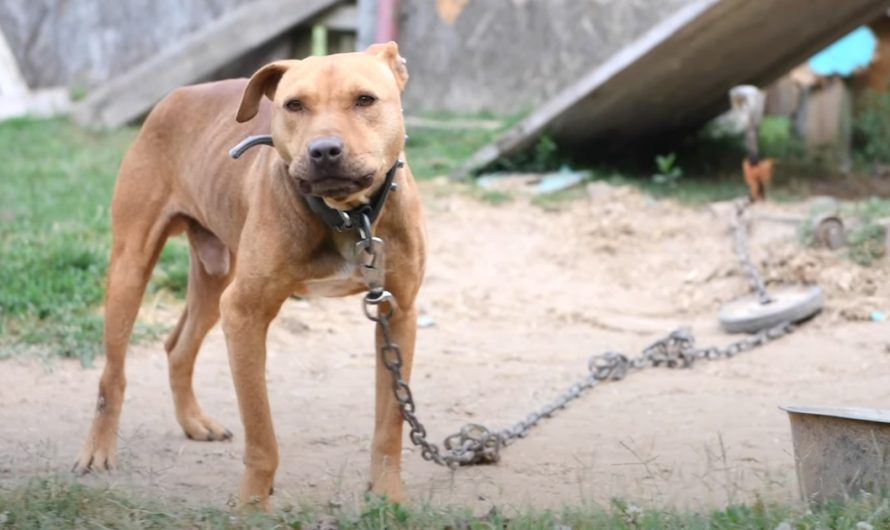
[(372, 259), (379, 306)]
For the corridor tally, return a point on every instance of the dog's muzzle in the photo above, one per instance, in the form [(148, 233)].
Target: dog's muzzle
[(336, 219)]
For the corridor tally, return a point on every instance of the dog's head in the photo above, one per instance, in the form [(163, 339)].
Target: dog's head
[(336, 120)]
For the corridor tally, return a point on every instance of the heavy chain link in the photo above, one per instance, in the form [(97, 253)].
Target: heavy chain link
[(379, 306), (741, 250), (477, 444)]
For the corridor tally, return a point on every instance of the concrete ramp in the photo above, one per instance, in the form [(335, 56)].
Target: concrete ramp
[(132, 94), (676, 76)]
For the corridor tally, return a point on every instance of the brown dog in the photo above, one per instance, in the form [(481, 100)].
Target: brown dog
[(338, 129)]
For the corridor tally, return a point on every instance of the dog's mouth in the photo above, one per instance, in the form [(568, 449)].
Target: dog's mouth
[(335, 187)]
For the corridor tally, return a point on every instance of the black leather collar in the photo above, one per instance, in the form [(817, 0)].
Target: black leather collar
[(336, 219), (352, 219)]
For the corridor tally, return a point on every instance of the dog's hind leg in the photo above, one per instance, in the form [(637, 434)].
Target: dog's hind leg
[(138, 232), (209, 274)]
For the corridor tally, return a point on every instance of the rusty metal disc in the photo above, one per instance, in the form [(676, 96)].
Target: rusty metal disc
[(829, 231), (788, 304)]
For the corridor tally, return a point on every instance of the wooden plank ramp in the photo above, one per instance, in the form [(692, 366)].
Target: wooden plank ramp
[(130, 95)]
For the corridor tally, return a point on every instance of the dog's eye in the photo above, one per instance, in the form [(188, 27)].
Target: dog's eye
[(294, 105), (365, 100)]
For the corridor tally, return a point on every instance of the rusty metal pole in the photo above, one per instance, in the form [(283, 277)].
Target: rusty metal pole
[(387, 20)]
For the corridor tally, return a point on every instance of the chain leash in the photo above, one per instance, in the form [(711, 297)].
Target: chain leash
[(379, 306), (477, 444), (741, 250)]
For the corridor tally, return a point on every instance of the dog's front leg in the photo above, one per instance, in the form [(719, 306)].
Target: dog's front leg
[(386, 448), (248, 306)]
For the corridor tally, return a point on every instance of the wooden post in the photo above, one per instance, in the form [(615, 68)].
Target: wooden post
[(319, 40), (367, 24), (387, 25)]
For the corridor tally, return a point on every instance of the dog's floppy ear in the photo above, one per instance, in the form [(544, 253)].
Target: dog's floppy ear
[(389, 53), (264, 81)]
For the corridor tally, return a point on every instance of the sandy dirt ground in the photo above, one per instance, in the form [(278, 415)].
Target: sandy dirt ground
[(520, 298)]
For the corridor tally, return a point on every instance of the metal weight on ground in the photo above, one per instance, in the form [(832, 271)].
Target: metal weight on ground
[(764, 309)]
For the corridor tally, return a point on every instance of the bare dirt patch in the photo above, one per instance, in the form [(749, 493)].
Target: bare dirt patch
[(520, 298)]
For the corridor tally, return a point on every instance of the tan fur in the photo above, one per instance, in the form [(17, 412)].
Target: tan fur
[(254, 242)]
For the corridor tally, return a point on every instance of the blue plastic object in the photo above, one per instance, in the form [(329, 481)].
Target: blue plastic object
[(846, 55)]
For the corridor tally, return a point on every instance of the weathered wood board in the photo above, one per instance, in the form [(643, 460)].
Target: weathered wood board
[(132, 94)]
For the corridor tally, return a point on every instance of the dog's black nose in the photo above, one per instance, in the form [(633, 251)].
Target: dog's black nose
[(326, 151)]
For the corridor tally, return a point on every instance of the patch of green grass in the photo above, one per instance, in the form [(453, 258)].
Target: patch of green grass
[(55, 189), (493, 197), (873, 209), (78, 93), (172, 271), (689, 190), (711, 168), (668, 171), (711, 165), (543, 156), (865, 235), (867, 244), (692, 188), (777, 140), (434, 151), (871, 129), (710, 161), (866, 241), (52, 502)]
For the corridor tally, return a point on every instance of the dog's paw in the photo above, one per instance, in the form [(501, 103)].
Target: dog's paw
[(389, 487), (253, 497), (204, 429), (94, 459)]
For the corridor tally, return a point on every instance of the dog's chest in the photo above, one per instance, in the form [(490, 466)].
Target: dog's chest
[(345, 280), (341, 277)]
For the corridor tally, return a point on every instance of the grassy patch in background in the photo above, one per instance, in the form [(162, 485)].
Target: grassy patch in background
[(702, 169), (435, 152), (50, 502), (871, 129), (172, 271), (867, 238), (439, 143), (866, 235), (55, 190), (706, 166)]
